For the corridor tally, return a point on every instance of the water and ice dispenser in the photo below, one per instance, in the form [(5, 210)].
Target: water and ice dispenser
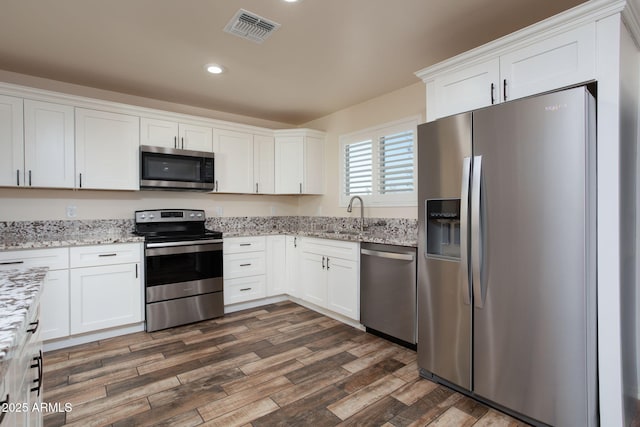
[(443, 228)]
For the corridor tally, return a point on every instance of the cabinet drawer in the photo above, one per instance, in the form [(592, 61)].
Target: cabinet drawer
[(332, 248), (55, 259), (243, 265), (89, 256), (244, 289), (234, 245)]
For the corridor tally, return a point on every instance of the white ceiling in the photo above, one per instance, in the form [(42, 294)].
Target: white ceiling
[(327, 55)]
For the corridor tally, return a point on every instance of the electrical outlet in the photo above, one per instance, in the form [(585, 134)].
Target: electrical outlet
[(273, 210), (72, 211), (219, 211)]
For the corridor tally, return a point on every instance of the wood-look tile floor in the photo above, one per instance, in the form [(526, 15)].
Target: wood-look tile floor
[(280, 364)]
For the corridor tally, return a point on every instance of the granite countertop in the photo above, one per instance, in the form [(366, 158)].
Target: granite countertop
[(19, 295), (11, 241), (368, 236)]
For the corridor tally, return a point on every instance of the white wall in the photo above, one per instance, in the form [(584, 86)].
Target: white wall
[(405, 102)]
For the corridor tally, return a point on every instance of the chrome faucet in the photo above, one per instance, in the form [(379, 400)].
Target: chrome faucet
[(350, 208)]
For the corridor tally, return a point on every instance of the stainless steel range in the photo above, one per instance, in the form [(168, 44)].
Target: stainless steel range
[(183, 267)]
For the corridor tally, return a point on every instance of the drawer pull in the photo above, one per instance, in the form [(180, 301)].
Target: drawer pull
[(106, 255), (245, 289), (11, 262), (35, 326), (245, 244), (39, 363), (245, 265)]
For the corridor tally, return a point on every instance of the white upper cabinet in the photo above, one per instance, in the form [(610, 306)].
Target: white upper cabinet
[(233, 162), (166, 133), (107, 150), (263, 164), (553, 63), (491, 74), (299, 162), (11, 142), (48, 144)]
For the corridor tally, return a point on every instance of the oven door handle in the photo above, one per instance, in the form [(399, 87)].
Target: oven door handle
[(175, 250), (182, 243)]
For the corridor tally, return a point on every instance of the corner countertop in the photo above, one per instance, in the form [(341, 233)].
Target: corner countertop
[(19, 296), (350, 236), (56, 240)]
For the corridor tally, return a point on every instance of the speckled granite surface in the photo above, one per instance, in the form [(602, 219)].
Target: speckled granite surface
[(43, 234), (19, 296), (49, 234)]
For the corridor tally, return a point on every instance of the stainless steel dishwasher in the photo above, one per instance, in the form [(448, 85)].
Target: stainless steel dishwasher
[(388, 291)]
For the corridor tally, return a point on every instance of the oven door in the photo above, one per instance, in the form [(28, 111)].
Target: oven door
[(182, 269)]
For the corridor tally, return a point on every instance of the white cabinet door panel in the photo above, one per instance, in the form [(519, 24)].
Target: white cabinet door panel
[(158, 133), (263, 164), (104, 297), (11, 142), (553, 63), (313, 166), (48, 144), (289, 164), (313, 279), (276, 266), (468, 89), (197, 138), (343, 294), (292, 265), (107, 150), (234, 162), (54, 305)]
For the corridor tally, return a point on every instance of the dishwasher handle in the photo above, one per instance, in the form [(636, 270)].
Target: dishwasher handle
[(391, 255)]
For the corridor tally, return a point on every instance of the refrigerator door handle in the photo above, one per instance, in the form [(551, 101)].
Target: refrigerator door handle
[(464, 236), (476, 233)]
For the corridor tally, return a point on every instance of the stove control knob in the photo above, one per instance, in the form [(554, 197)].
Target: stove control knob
[(191, 215), (150, 216), (143, 216), (199, 215)]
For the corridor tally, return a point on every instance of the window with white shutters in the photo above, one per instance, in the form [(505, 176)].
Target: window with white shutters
[(378, 164)]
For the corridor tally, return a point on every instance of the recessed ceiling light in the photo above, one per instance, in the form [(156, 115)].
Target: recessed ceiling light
[(291, 1), (214, 68)]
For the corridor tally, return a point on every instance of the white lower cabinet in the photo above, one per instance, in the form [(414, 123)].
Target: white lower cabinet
[(105, 296), (244, 269), (292, 264), (54, 312), (277, 283), (330, 273), (105, 287)]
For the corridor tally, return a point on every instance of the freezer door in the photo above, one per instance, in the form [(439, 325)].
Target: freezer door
[(533, 257), (444, 310)]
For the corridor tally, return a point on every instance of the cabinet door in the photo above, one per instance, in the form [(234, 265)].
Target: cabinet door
[(107, 150), (263, 164), (467, 89), (158, 133), (566, 59), (343, 288), (54, 305), (234, 162), (292, 265), (289, 165), (104, 297), (48, 144), (313, 166), (276, 266), (314, 278), (11, 142), (198, 138)]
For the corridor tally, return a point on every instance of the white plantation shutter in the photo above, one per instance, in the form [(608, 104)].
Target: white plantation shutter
[(396, 166), (379, 163), (358, 168)]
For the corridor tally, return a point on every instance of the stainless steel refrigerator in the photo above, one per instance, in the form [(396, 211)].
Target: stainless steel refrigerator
[(506, 265)]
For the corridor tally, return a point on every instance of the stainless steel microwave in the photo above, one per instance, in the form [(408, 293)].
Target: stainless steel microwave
[(173, 169)]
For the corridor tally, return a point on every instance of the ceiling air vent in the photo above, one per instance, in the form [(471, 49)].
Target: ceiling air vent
[(250, 26)]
